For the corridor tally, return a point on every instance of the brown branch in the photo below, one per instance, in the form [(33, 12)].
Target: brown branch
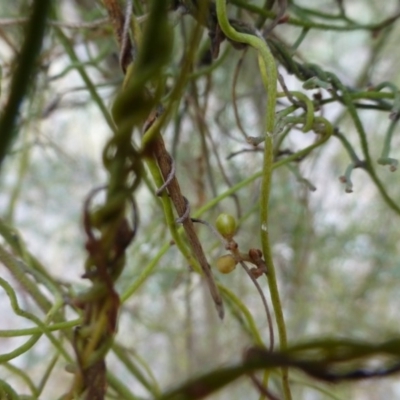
[(120, 23), (282, 6), (165, 163)]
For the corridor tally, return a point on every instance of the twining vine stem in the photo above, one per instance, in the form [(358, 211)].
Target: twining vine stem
[(270, 78)]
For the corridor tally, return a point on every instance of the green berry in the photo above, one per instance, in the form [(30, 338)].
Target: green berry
[(226, 225), (226, 264)]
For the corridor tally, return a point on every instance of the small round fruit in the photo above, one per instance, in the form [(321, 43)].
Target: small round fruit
[(226, 225), (226, 264)]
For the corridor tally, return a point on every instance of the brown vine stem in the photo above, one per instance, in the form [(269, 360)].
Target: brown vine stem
[(165, 164), (121, 24)]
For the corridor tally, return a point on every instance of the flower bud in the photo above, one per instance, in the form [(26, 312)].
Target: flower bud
[(226, 225), (226, 264)]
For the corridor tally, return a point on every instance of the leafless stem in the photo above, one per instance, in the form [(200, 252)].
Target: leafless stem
[(282, 5), (168, 180), (261, 388), (165, 163), (186, 214), (264, 301)]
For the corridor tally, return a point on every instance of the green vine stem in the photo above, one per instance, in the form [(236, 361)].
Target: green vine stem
[(169, 215), (85, 77), (237, 302), (270, 78), (46, 375), (346, 96), (384, 159), (32, 331), (35, 337), (364, 143), (306, 22), (7, 392), (24, 377), (137, 371), (34, 34)]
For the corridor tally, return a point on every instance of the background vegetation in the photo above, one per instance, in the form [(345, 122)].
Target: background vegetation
[(91, 92)]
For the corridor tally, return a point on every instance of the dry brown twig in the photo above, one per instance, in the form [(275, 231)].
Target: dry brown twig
[(165, 163)]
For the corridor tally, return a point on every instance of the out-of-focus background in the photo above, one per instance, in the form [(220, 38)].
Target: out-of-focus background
[(336, 253)]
